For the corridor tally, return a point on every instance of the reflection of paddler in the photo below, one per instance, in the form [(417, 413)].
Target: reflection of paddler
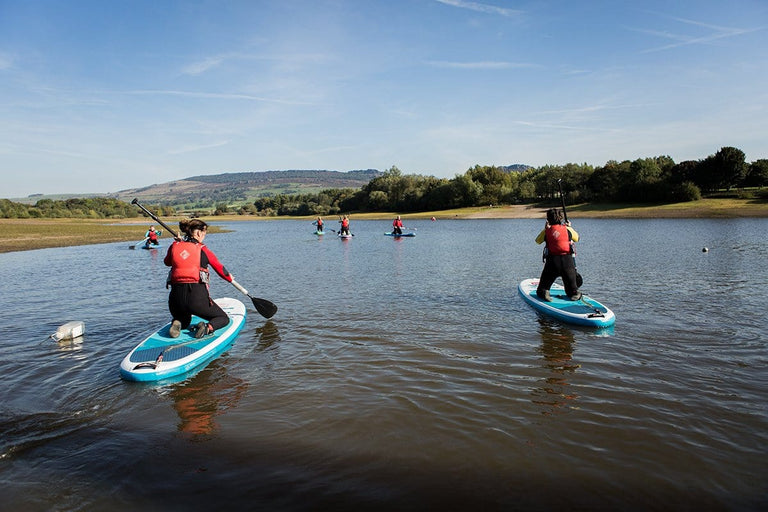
[(199, 400), (557, 346), (557, 351)]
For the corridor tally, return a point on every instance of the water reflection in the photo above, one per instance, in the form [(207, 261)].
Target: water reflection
[(266, 335), (557, 354), (199, 400)]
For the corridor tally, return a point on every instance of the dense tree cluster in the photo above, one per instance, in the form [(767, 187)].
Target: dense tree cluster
[(78, 208), (645, 180)]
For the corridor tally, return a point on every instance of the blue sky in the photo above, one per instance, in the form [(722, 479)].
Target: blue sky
[(104, 95)]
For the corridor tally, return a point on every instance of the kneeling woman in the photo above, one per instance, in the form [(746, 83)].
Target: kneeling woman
[(189, 276)]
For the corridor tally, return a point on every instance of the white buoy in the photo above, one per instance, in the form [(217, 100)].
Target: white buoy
[(69, 331)]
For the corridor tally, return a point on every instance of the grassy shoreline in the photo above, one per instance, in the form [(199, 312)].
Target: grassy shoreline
[(29, 234)]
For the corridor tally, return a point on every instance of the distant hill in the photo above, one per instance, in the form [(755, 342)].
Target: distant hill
[(231, 188), (516, 167), (244, 187)]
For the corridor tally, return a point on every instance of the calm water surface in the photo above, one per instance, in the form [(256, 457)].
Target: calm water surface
[(399, 375)]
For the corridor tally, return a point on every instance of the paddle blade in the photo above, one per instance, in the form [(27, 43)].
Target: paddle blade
[(265, 308)]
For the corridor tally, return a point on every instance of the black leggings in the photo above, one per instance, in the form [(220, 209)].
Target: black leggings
[(559, 266), (187, 299)]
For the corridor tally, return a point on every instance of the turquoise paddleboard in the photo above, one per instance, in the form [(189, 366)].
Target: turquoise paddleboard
[(399, 235), (585, 311), (161, 357)]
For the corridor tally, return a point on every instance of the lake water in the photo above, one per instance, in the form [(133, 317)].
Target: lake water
[(398, 374)]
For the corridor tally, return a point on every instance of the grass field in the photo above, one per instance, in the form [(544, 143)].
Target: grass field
[(28, 234)]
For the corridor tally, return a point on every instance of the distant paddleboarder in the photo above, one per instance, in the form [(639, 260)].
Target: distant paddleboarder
[(152, 236)]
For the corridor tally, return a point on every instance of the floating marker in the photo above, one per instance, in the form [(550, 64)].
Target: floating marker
[(69, 331)]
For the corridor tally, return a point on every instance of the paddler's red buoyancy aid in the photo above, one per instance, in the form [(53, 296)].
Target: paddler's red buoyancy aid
[(152, 236), (558, 240), (186, 266)]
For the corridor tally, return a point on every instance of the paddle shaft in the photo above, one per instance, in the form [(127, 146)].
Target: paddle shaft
[(579, 279), (562, 200), (140, 243), (155, 218)]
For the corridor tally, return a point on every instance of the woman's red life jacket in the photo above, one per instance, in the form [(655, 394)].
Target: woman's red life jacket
[(186, 268), (558, 240), (345, 223)]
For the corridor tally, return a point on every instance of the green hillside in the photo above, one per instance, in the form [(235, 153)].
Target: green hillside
[(233, 189)]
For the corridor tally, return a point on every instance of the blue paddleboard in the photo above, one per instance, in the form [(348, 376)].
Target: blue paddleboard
[(161, 357), (399, 235), (585, 311), (151, 246)]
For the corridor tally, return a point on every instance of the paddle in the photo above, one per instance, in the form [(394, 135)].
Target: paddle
[(579, 279), (265, 308), (140, 243)]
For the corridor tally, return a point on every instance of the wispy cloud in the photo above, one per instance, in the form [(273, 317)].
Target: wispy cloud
[(206, 64), (197, 68), (715, 33), (191, 149), (476, 6), (594, 108), (554, 126), (215, 95), (481, 65)]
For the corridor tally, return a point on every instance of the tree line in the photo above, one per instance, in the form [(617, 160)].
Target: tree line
[(645, 180), (75, 208)]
